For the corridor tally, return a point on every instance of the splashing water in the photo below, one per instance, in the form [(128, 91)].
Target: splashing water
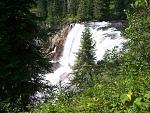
[(106, 38)]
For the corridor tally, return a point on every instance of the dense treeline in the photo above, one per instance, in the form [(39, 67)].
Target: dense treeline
[(75, 10), (121, 80)]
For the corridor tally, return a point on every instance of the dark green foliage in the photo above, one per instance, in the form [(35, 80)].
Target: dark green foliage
[(42, 9), (22, 63), (84, 10), (57, 9), (97, 9), (120, 6), (65, 12), (106, 10), (73, 7), (84, 66)]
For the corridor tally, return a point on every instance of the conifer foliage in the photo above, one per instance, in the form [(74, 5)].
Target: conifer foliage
[(72, 6), (22, 63), (84, 66), (42, 8), (82, 10), (97, 9)]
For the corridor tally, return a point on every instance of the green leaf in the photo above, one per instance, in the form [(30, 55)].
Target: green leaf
[(124, 98), (138, 101), (147, 95)]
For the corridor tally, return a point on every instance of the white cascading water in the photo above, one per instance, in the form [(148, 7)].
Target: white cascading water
[(105, 38)]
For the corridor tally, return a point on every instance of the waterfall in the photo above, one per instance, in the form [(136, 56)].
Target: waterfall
[(105, 37)]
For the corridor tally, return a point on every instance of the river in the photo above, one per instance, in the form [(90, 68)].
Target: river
[(105, 37)]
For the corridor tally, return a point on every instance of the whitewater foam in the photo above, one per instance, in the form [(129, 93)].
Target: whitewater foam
[(106, 39)]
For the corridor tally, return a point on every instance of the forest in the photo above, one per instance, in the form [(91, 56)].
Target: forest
[(120, 83), (82, 10)]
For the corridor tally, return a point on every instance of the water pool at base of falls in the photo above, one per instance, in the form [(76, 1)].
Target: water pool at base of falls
[(105, 37)]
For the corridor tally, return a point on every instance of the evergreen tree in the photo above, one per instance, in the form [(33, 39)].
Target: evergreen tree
[(55, 9), (106, 9), (97, 10), (49, 9), (90, 4), (64, 11), (22, 64), (120, 6), (73, 7), (84, 10), (84, 66), (42, 8)]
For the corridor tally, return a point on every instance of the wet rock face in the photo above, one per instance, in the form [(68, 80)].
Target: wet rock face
[(57, 42), (118, 25), (114, 24)]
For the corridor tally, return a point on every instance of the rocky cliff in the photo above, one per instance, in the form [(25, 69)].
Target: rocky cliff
[(55, 43)]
